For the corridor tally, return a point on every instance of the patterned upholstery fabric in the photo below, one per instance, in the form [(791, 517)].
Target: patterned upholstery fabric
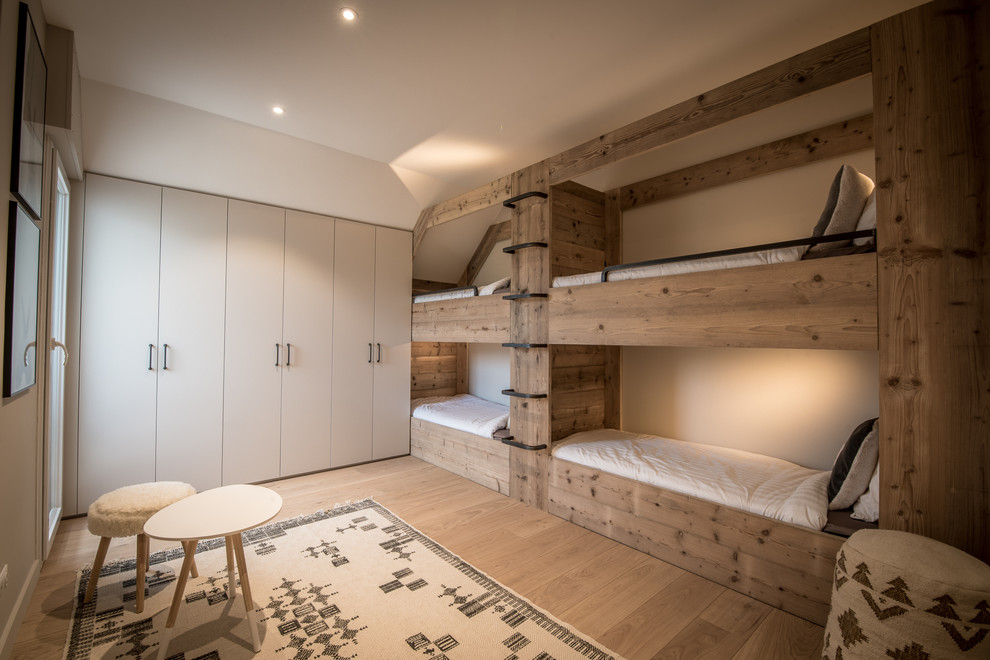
[(907, 597)]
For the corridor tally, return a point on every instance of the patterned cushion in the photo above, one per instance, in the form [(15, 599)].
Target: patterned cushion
[(900, 595)]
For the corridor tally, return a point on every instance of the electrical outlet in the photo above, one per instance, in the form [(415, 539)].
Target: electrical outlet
[(3, 578)]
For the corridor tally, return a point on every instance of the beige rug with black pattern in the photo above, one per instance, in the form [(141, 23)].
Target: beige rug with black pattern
[(354, 582)]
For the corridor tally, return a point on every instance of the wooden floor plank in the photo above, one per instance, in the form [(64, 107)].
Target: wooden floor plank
[(637, 605)]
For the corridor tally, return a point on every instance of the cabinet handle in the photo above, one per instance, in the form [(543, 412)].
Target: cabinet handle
[(165, 358), (151, 347), (379, 353), (276, 354), (288, 354), (371, 352)]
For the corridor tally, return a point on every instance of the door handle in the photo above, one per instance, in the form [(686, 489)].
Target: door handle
[(379, 354), (288, 354), (165, 358), (371, 352), (151, 348), (65, 351), (276, 354)]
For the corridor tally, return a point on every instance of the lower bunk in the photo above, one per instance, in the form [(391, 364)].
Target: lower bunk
[(768, 545), (475, 450)]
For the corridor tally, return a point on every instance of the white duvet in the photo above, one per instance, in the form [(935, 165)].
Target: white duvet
[(759, 484), (485, 290), (464, 412), (777, 256)]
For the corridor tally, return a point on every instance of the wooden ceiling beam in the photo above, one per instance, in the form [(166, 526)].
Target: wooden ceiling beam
[(843, 59), (497, 232), (478, 199), (830, 141)]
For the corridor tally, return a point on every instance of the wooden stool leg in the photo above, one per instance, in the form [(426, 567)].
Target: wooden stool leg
[(101, 554), (142, 570)]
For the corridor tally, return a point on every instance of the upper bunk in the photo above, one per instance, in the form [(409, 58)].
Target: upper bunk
[(469, 305), (806, 303)]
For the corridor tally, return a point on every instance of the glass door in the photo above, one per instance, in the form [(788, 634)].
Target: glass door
[(58, 356)]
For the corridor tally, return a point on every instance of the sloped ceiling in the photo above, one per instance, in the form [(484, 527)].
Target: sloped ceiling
[(414, 101)]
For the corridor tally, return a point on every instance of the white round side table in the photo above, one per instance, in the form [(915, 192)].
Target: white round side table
[(226, 511)]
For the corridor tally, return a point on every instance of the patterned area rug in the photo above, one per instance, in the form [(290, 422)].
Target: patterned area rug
[(354, 582)]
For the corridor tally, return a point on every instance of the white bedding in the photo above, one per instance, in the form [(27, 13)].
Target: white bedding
[(776, 256), (760, 484), (486, 290), (464, 412)]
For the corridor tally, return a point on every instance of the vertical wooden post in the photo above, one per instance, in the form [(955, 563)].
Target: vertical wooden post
[(931, 88), (530, 324)]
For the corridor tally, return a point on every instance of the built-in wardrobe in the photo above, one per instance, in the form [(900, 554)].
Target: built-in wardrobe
[(223, 341)]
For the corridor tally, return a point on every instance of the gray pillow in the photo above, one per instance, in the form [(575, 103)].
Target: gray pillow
[(854, 466), (844, 205)]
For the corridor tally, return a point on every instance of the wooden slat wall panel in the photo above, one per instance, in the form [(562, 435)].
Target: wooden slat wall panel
[(932, 91), (477, 319), (844, 59), (579, 381), (827, 142), (482, 460), (783, 565), (433, 370), (577, 236), (820, 303)]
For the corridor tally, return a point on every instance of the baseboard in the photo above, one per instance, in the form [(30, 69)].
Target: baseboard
[(9, 635)]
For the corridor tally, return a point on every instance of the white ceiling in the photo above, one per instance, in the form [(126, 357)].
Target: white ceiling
[(460, 90)]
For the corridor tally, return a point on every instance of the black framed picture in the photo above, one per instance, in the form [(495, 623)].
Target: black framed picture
[(20, 350), (28, 149)]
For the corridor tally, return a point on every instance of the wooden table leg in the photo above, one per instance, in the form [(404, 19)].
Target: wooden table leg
[(235, 540), (141, 569), (231, 585), (180, 588)]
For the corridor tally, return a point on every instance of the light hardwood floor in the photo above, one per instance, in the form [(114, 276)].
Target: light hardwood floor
[(636, 605)]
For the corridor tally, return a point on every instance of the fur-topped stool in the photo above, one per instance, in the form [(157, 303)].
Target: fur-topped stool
[(122, 513), (900, 595)]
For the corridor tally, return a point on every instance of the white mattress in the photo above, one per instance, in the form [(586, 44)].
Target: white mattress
[(759, 484), (485, 290), (464, 412), (779, 255)]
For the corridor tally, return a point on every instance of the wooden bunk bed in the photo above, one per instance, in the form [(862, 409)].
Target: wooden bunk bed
[(899, 301), (439, 369)]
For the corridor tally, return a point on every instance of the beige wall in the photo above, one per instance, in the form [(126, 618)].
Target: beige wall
[(793, 404), (19, 435)]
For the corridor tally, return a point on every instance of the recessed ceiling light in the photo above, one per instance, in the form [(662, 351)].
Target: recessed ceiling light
[(278, 109), (348, 13)]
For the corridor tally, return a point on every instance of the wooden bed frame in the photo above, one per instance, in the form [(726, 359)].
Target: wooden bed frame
[(819, 303), (783, 565), (480, 459), (920, 301), (482, 319)]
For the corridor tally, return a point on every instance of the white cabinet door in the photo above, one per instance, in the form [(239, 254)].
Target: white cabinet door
[(393, 312), (353, 343), (307, 333), (191, 338), (118, 331), (252, 343)]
